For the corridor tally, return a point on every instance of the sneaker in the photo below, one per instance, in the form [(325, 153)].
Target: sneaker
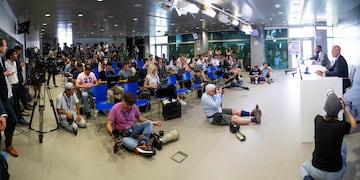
[(246, 88), (145, 150), (182, 102), (257, 114)]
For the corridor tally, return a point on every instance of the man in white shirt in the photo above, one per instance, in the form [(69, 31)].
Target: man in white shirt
[(10, 65), (65, 101)]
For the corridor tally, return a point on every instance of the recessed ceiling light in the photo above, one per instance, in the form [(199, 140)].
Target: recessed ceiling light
[(197, 27), (44, 24), (92, 33), (137, 5), (120, 33), (110, 17), (176, 30), (172, 24), (69, 24), (186, 31), (277, 5), (101, 29), (280, 12), (84, 35), (105, 20), (270, 19), (42, 29), (47, 14), (115, 25), (135, 19), (201, 19), (80, 14), (206, 29), (99, 0), (133, 30)]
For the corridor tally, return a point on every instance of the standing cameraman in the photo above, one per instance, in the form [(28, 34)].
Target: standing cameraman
[(51, 61), (211, 103)]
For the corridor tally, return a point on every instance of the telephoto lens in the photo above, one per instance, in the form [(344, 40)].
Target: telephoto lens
[(173, 135)]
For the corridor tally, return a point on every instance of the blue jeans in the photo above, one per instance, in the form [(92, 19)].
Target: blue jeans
[(85, 96), (308, 169), (143, 128)]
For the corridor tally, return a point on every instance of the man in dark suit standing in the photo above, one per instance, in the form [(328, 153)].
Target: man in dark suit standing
[(7, 102), (339, 69)]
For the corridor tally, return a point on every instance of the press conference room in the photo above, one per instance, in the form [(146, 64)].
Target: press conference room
[(274, 66)]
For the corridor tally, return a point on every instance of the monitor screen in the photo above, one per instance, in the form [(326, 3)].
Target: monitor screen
[(195, 36), (255, 32)]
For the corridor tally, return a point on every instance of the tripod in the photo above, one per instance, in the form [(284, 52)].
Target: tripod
[(41, 106)]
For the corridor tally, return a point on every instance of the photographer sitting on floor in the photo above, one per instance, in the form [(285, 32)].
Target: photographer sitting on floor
[(65, 101), (133, 136), (211, 103)]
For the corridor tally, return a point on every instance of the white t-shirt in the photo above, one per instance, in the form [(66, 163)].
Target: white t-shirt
[(153, 81), (66, 103), (11, 66)]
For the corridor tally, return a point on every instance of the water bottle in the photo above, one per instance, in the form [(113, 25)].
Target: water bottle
[(256, 80)]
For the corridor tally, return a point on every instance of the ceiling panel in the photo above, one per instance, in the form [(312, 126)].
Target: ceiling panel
[(116, 18)]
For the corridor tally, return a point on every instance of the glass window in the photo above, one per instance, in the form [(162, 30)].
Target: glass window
[(301, 32), (276, 53), (275, 33), (226, 35)]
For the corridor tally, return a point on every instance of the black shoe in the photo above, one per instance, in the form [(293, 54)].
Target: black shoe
[(74, 130), (88, 115), (246, 88), (28, 107), (56, 86), (22, 121), (25, 113)]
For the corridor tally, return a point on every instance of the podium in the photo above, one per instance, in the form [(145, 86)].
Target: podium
[(312, 101)]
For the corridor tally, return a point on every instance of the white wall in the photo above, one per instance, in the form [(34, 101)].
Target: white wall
[(8, 21)]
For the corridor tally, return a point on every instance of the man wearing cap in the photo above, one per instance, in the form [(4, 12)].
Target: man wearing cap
[(329, 156), (65, 101)]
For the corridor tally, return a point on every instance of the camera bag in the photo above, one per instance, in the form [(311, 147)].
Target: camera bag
[(171, 110)]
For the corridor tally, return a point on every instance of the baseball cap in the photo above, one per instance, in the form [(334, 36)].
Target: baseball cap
[(69, 85), (332, 104)]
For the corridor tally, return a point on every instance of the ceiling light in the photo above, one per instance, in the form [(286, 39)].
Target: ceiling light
[(209, 12), (120, 33), (137, 5), (99, 0), (172, 24), (133, 31), (135, 19), (192, 8), (47, 14), (42, 29), (197, 27), (235, 22), (280, 12), (277, 6), (201, 19), (115, 25), (80, 14), (92, 33), (44, 24), (101, 29), (223, 18)]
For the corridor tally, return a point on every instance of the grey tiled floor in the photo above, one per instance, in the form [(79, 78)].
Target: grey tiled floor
[(273, 150)]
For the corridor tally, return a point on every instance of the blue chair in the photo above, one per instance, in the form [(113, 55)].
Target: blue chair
[(133, 88), (100, 94), (114, 64), (172, 80), (187, 77), (96, 72)]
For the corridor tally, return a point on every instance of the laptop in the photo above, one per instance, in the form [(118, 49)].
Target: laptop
[(112, 80), (132, 79)]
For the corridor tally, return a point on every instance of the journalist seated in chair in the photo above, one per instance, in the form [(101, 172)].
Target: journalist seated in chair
[(152, 83), (114, 92), (126, 72), (85, 81), (69, 69), (135, 136), (211, 102), (65, 101)]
